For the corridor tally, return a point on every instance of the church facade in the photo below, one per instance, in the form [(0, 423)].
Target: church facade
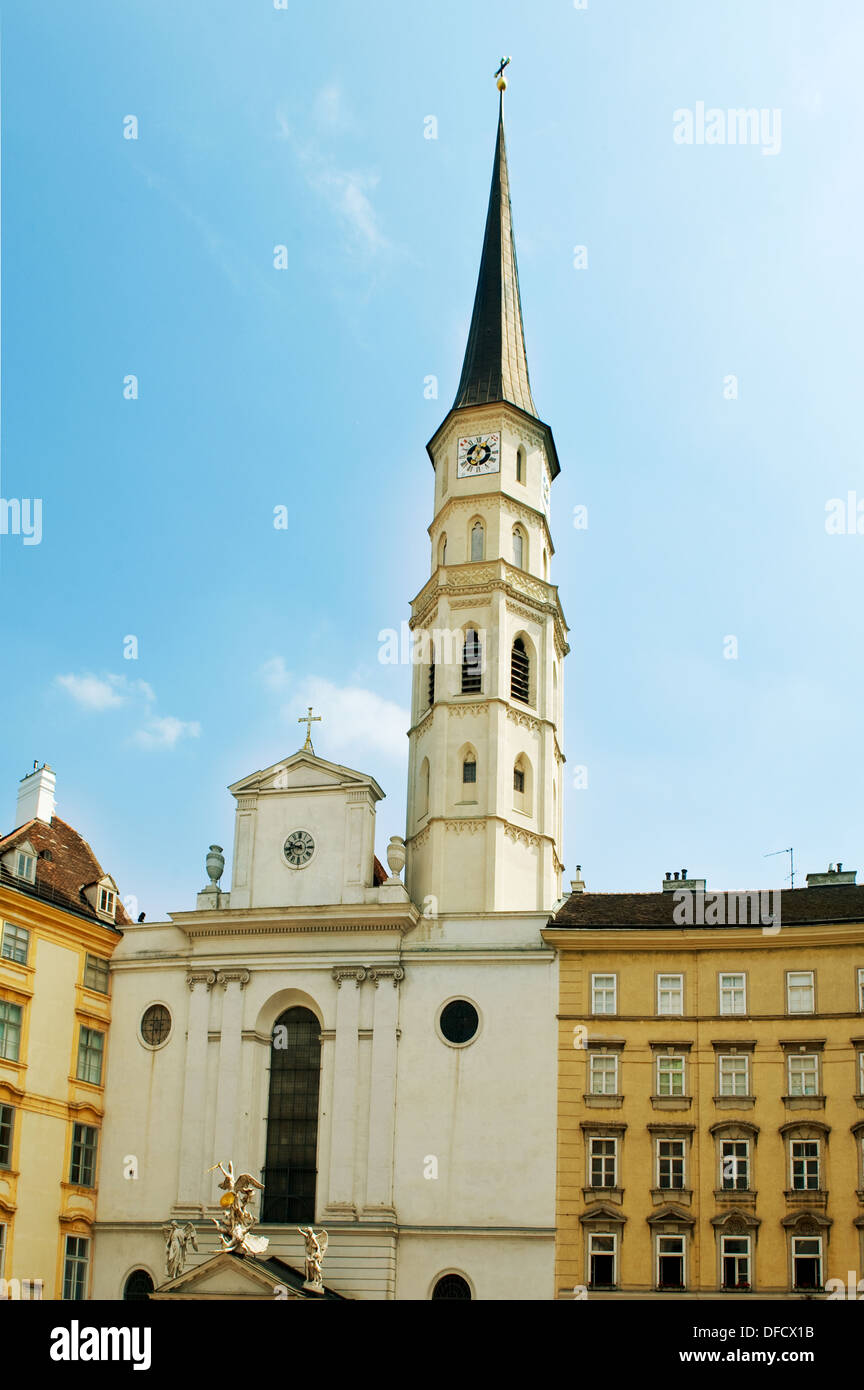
[(380, 1054)]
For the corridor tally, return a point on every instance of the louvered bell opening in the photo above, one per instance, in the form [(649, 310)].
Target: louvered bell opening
[(520, 674), (431, 683), (471, 664)]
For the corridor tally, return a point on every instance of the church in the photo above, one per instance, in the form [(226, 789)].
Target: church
[(379, 1051)]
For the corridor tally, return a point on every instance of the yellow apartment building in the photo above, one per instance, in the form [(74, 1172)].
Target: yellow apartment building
[(60, 919), (711, 1091)]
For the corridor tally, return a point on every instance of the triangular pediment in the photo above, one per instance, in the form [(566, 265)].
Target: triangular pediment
[(227, 1275), (304, 770)]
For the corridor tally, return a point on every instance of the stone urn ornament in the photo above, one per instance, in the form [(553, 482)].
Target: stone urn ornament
[(396, 855), (215, 864)]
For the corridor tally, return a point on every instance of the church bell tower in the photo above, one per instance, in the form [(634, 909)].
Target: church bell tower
[(486, 764)]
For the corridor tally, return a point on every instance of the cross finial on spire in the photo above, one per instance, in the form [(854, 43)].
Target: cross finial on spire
[(309, 719), (502, 80)]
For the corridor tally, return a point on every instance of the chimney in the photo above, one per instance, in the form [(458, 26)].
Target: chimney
[(577, 884), (36, 796), (680, 882), (833, 878)]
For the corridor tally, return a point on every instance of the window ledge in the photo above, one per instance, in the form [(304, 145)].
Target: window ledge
[(859, 1101), (741, 1196), (734, 1102), (807, 1197), (660, 1196), (603, 1194), (671, 1102), (603, 1102), (804, 1102)]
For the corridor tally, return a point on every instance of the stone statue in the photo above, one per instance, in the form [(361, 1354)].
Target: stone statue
[(237, 1220), (177, 1242), (316, 1249)]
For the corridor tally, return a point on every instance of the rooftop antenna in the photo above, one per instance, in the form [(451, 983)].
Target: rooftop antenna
[(791, 853)]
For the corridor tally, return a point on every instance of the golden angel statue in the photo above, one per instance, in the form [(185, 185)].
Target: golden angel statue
[(237, 1221)]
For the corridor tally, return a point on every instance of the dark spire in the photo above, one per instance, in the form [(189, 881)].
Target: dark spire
[(495, 366)]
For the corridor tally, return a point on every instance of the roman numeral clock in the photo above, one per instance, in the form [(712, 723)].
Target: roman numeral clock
[(478, 454)]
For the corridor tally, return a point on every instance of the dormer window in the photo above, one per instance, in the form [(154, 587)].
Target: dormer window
[(107, 902), (26, 866)]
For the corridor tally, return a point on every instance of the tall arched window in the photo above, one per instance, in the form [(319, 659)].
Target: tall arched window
[(423, 789), (518, 547), (520, 673), (522, 787), (477, 541), (469, 769), (442, 550), (554, 693), (292, 1119), (545, 564), (138, 1286), (520, 465), (472, 663)]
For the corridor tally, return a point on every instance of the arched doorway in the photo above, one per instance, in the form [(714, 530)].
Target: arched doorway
[(138, 1286), (292, 1119)]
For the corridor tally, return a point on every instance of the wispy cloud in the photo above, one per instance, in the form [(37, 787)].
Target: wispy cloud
[(357, 723), (103, 692), (165, 732), (97, 694), (345, 191)]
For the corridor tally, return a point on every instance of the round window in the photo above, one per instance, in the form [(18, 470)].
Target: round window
[(155, 1025), (459, 1021)]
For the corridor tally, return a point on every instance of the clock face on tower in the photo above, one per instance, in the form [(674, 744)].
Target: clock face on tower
[(298, 849), (477, 454)]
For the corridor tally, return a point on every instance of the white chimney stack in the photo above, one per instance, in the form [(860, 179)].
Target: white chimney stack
[(36, 796)]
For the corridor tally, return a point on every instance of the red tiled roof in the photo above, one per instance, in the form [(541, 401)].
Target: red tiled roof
[(379, 873), (61, 879), (835, 903)]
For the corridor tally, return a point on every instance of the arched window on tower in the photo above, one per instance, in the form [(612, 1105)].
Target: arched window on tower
[(519, 547), (477, 539), (520, 673), (442, 550), (469, 770), (520, 464), (423, 790), (546, 564), (472, 663), (522, 789), (292, 1119)]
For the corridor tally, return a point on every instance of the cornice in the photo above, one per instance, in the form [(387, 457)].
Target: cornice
[(61, 925), (683, 939), (251, 921), (484, 577), (473, 824), (469, 502)]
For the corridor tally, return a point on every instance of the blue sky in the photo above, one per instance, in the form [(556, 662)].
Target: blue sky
[(304, 387)]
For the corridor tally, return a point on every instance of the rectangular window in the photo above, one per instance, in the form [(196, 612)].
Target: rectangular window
[(75, 1262), (96, 974), (82, 1170), (14, 943), (733, 994), (805, 1165), (670, 994), (106, 901), (26, 867), (861, 1073), (734, 1073), (800, 991), (10, 1030), (601, 1261), (735, 1165), (670, 1163), (603, 1158), (90, 1046), (604, 994), (735, 1259), (7, 1124), (16, 940), (804, 1074), (807, 1262), (861, 991), (670, 1262), (670, 1076), (2, 1248), (603, 1074)]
